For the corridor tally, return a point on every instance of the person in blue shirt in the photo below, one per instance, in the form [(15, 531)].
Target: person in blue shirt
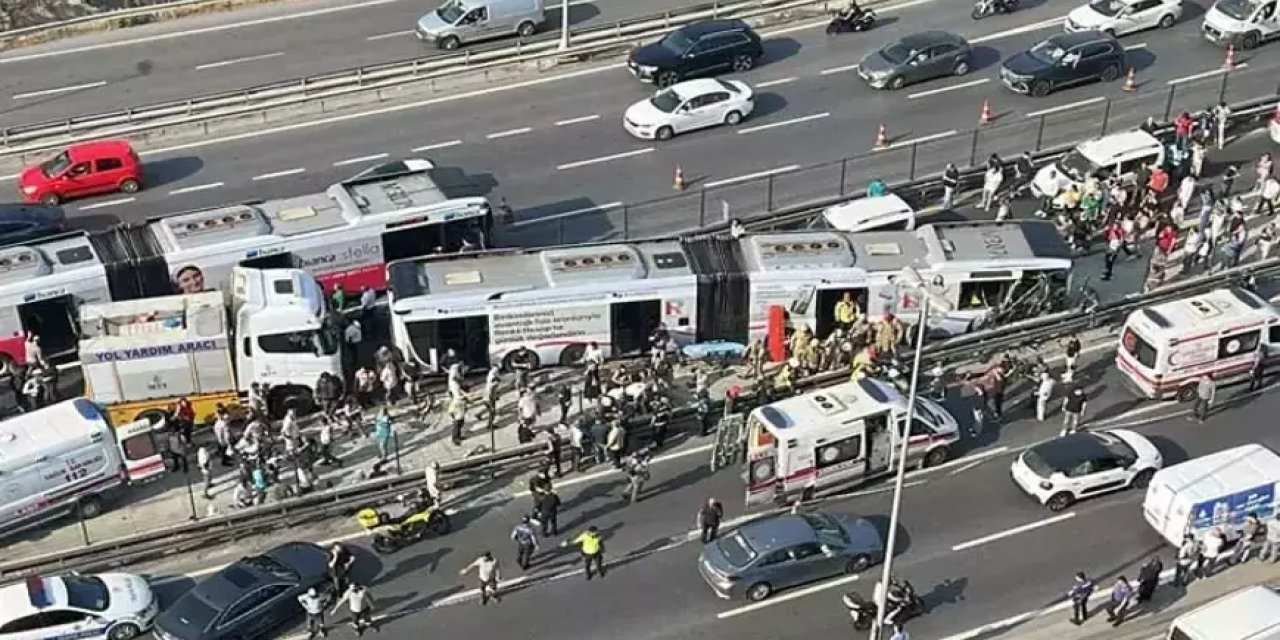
[(1079, 595), (877, 188)]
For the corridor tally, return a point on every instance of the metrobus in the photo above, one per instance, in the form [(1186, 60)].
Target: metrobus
[(558, 300), (343, 236)]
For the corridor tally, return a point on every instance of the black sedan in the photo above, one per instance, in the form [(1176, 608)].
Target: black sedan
[(247, 598), (1064, 60), (915, 58), (27, 222)]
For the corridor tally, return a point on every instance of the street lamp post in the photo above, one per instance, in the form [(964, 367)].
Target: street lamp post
[(564, 24), (908, 279)]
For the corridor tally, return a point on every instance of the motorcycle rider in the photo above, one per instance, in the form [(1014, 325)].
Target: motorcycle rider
[(851, 12)]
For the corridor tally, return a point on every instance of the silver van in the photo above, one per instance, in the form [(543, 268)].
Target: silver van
[(461, 21)]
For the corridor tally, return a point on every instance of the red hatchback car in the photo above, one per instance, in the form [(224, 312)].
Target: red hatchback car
[(84, 169)]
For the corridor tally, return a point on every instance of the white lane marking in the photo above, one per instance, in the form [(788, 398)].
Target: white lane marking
[(191, 32), (1028, 28), (702, 448), (227, 63), (784, 123), (1205, 74), (279, 174), (929, 138), (842, 69), (570, 214), (199, 187), (508, 133), (967, 467), (438, 145), (392, 34), (55, 91), (963, 460), (1135, 47), (608, 158), (107, 203), (751, 176), (962, 85), (774, 83), (376, 156), (1031, 526), (565, 123), (789, 595), (1066, 107)]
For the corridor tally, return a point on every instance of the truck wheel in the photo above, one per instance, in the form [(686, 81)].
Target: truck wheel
[(1250, 40), (508, 367), (526, 29), (90, 507)]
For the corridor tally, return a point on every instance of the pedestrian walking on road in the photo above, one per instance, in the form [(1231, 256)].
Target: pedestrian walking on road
[(1079, 594), (591, 546), (489, 574), (637, 474), (360, 602), (616, 443), (526, 540), (1119, 600), (1271, 541), (950, 182), (383, 431), (991, 182), (1044, 392), (1149, 578), (1072, 409), (313, 605), (555, 449), (1268, 196), (1187, 562), (710, 514), (1206, 391), (548, 510), (204, 461)]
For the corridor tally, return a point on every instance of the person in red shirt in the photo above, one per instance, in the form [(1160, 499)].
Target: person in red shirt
[(1159, 181), (1166, 239), (1182, 129), (185, 416), (1115, 236)]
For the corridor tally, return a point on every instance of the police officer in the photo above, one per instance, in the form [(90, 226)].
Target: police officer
[(591, 546), (313, 605), (660, 420)]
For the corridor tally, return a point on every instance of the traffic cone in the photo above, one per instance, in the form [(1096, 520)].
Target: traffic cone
[(986, 116), (882, 138), (678, 183), (1131, 81), (1230, 62)]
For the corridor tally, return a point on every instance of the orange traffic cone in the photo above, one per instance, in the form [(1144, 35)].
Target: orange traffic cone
[(678, 183), (1230, 62), (1131, 81), (986, 116), (882, 138)]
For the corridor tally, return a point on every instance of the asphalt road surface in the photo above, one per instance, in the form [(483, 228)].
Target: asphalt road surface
[(256, 45)]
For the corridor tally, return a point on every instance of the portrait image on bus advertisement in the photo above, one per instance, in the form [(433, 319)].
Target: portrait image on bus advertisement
[(189, 279)]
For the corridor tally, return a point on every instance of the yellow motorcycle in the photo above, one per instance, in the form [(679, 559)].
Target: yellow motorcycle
[(420, 516)]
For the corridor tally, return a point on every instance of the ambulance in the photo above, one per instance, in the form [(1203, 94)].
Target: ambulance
[(837, 437), (1166, 349)]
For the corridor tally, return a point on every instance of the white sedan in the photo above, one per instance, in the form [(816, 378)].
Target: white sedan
[(689, 105), (1118, 17), (1063, 470), (114, 606)]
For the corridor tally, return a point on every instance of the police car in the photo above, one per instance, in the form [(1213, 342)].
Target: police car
[(115, 606), (1063, 470)]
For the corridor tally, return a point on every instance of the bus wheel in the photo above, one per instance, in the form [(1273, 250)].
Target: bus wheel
[(572, 355), (935, 457), (90, 507), (153, 416), (1187, 393), (508, 366)]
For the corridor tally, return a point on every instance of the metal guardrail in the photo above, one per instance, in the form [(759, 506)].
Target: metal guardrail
[(146, 7), (587, 42)]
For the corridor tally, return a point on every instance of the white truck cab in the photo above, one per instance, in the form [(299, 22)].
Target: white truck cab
[(1244, 23), (1119, 154)]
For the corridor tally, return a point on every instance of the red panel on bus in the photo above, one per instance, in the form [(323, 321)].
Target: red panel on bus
[(776, 328)]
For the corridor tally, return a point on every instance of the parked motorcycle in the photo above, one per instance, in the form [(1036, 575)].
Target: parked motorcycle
[(985, 8), (907, 603), (861, 610), (844, 24), (420, 517)]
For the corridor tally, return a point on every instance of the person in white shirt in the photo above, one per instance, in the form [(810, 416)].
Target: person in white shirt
[(990, 185), (353, 334), (1214, 542), (1186, 189), (1268, 196), (593, 354), (454, 382), (289, 427), (204, 461), (360, 601), (35, 355), (528, 408), (489, 574), (1043, 393), (390, 377)]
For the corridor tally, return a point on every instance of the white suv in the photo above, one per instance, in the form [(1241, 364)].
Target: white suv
[(1118, 17)]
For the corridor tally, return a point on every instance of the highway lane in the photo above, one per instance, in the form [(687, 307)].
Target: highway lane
[(540, 169), (256, 45)]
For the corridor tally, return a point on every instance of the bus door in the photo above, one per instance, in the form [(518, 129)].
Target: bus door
[(142, 458), (430, 340), (825, 321), (630, 324), (54, 320), (879, 444)]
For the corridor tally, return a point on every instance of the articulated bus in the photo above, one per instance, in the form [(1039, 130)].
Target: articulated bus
[(556, 301)]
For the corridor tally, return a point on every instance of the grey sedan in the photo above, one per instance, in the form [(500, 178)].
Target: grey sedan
[(760, 558), (915, 58)]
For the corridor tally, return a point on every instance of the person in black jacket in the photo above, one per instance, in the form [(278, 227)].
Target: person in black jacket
[(710, 515), (950, 182), (548, 511)]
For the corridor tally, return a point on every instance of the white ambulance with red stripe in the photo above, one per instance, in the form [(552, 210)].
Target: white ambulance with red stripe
[(839, 436), (68, 457), (1167, 348)]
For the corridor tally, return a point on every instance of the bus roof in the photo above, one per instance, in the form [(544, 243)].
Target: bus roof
[(68, 424), (20, 265), (841, 403), (1207, 311)]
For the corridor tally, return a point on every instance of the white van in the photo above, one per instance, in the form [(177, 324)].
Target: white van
[(1119, 154), (1219, 489), (1244, 23), (840, 436), (864, 214), (1165, 349), (1252, 613), (458, 22), (65, 457)]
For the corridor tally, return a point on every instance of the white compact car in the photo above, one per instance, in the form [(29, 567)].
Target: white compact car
[(1063, 470), (689, 105), (115, 606), (1118, 17)]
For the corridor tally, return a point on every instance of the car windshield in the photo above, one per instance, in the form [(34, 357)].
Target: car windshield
[(1108, 8), (666, 101), (1076, 166), (1238, 9), (737, 551), (1048, 52), (1115, 445), (86, 592), (1036, 463), (271, 566), (55, 165), (897, 53), (676, 42), (450, 12), (829, 532)]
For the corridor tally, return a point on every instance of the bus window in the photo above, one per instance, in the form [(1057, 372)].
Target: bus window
[(840, 451), (1239, 343), (1273, 335), (1141, 350), (983, 294)]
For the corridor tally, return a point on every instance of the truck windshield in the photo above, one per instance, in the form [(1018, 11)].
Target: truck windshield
[(1238, 9), (1136, 346)]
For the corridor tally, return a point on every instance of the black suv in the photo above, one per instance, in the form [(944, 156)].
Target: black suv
[(697, 49), (1064, 60)]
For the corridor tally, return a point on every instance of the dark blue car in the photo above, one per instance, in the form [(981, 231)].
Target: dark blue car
[(701, 48), (27, 222)]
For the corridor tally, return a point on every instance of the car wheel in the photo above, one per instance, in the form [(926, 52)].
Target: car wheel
[(1167, 21), (857, 564), (732, 118), (962, 67), (666, 79), (124, 631), (1143, 479), (441, 524), (90, 507), (665, 133), (935, 457), (1040, 89), (759, 591), (130, 186), (896, 82), (450, 43), (1250, 40), (1187, 393), (743, 63), (1060, 501), (1111, 73), (526, 29), (51, 199)]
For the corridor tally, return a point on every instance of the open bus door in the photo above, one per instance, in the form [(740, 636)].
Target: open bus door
[(142, 457), (54, 320)]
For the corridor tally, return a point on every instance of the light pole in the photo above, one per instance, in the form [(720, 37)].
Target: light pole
[(564, 24), (908, 279)]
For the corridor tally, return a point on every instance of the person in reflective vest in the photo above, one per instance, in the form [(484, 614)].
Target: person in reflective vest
[(862, 363), (846, 311)]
